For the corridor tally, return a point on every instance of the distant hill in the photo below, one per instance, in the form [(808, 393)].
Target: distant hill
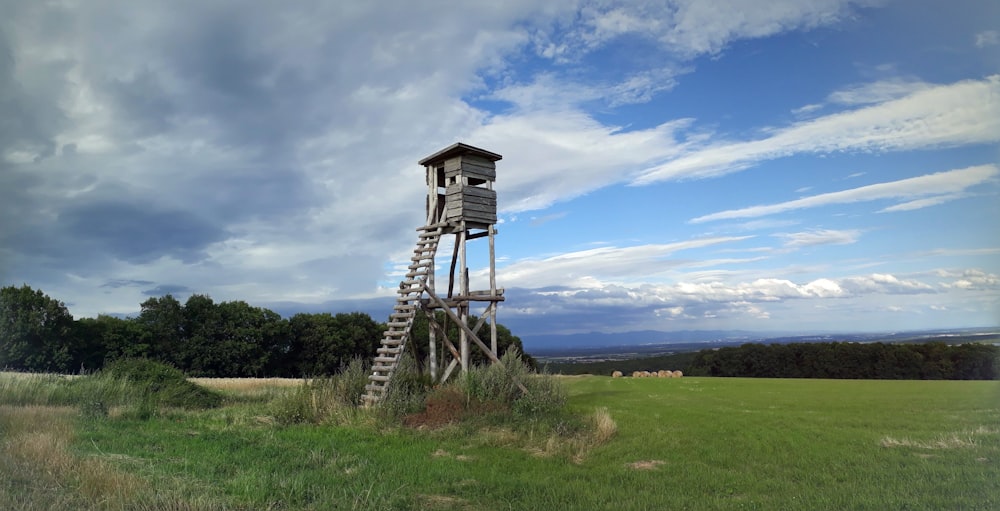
[(597, 346), (546, 342)]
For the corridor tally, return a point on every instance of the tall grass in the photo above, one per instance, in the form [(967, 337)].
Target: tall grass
[(689, 443), (333, 399)]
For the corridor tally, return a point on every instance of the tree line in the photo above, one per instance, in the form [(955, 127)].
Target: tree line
[(905, 361), (200, 337)]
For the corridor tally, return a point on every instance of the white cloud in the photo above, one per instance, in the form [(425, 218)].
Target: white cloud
[(817, 237), (805, 110), (707, 27), (542, 148), (945, 183), (962, 113), (987, 38), (685, 28), (972, 279), (923, 203), (877, 92), (586, 268)]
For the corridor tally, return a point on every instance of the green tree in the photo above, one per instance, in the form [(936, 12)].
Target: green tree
[(121, 338), (88, 350), (231, 339), (36, 332), (323, 343), (202, 331), (162, 323)]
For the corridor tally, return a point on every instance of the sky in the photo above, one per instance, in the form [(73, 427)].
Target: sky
[(783, 165)]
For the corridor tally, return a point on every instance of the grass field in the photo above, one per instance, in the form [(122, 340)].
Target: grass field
[(689, 443)]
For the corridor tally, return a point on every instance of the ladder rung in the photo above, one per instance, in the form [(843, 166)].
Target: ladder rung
[(379, 360), (385, 350), (391, 342), (397, 324), (396, 315), (379, 377)]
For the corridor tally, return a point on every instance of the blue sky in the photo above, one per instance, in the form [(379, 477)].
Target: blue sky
[(791, 166)]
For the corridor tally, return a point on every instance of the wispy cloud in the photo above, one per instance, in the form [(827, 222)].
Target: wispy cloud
[(586, 267), (987, 38), (819, 237), (877, 92), (941, 184), (923, 203), (961, 113)]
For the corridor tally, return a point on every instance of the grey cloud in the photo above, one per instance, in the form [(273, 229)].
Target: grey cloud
[(140, 233), (142, 102), (166, 289), (119, 283)]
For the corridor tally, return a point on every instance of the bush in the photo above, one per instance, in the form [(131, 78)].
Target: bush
[(407, 393), (160, 385), (491, 393), (324, 399)]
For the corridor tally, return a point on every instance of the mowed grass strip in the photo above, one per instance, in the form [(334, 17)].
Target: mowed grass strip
[(688, 443)]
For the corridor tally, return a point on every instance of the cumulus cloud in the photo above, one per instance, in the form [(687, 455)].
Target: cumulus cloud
[(267, 152), (766, 302), (971, 279)]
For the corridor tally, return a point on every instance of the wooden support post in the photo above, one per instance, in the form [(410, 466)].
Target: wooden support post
[(463, 308), (469, 333), (493, 292)]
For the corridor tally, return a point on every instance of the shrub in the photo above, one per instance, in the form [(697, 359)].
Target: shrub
[(496, 390), (352, 380), (325, 399), (160, 384), (407, 392)]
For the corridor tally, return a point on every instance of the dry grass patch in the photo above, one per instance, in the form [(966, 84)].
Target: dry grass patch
[(37, 438), (950, 441), (247, 384), (443, 502), (604, 426), (645, 465)]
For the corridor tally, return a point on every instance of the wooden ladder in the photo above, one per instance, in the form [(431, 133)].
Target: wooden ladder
[(401, 320)]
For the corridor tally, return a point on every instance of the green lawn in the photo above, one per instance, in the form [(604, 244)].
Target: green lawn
[(689, 443)]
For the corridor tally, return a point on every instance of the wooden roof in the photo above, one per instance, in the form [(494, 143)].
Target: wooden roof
[(457, 149)]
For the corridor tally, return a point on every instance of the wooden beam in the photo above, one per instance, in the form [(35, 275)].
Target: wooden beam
[(482, 318), (492, 356), (449, 369)]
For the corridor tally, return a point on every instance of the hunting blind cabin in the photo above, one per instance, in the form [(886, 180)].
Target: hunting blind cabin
[(461, 202)]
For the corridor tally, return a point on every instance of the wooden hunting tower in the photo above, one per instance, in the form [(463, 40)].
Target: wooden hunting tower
[(460, 202)]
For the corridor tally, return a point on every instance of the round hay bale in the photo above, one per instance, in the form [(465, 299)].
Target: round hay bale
[(664, 374), (678, 374), (645, 374), (616, 374), (637, 374)]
